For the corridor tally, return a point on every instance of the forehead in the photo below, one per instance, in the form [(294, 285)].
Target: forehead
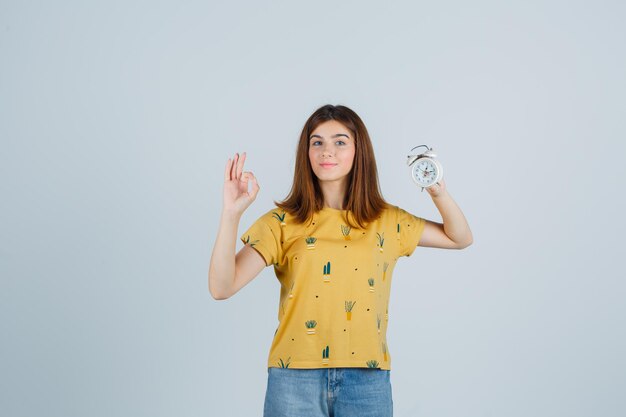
[(330, 128)]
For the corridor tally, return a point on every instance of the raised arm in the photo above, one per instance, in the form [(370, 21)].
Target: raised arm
[(454, 232), (229, 272)]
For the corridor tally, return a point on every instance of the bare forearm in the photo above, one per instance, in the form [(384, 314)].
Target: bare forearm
[(222, 267), (454, 223)]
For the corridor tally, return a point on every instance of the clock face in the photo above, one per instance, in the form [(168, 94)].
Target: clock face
[(425, 172)]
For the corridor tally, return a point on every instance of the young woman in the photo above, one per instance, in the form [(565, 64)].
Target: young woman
[(333, 242)]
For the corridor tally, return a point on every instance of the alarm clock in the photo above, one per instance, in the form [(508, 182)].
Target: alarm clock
[(426, 170)]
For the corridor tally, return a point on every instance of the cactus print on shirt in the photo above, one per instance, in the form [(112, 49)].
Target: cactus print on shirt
[(335, 282)]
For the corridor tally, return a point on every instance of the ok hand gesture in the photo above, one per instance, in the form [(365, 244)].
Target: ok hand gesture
[(236, 195)]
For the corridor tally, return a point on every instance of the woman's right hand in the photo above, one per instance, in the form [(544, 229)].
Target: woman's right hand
[(236, 195)]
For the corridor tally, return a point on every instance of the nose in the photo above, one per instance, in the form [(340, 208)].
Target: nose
[(327, 150)]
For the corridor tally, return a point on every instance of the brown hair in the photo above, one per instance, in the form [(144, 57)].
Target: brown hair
[(363, 199)]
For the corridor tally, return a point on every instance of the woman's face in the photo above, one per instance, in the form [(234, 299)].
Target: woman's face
[(331, 151)]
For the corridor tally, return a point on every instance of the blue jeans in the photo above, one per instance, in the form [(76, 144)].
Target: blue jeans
[(328, 392)]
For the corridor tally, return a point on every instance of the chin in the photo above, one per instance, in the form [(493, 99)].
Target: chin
[(336, 178), (325, 176)]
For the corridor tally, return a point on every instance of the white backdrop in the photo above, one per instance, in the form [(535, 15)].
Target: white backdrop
[(116, 121)]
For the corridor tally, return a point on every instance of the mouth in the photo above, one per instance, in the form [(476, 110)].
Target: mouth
[(327, 165)]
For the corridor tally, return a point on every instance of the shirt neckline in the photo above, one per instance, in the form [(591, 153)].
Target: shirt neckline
[(333, 209)]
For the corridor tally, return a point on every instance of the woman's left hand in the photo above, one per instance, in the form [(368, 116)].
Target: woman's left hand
[(437, 189)]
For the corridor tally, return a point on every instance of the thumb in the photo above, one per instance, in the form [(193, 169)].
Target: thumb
[(255, 187), (433, 189)]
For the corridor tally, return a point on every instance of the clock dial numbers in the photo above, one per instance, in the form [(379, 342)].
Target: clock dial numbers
[(425, 172)]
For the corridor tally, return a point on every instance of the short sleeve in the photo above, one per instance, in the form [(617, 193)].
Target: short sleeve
[(409, 231), (264, 235)]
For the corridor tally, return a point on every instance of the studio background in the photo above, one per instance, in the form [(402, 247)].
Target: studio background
[(116, 122)]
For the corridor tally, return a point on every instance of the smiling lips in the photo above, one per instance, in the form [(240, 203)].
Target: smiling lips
[(328, 165)]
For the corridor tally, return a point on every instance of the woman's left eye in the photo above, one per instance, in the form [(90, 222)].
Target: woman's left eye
[(342, 142)]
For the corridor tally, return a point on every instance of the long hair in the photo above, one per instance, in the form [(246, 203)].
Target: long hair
[(363, 200)]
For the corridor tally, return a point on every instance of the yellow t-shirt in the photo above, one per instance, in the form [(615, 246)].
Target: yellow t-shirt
[(335, 283)]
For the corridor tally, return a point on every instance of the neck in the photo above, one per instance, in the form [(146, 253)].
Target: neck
[(334, 193)]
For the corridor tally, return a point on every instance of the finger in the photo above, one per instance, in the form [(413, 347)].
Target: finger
[(245, 176), (240, 164), (255, 187), (243, 182), (227, 170), (233, 169)]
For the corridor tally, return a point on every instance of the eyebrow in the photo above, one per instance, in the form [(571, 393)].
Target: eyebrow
[(333, 136)]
